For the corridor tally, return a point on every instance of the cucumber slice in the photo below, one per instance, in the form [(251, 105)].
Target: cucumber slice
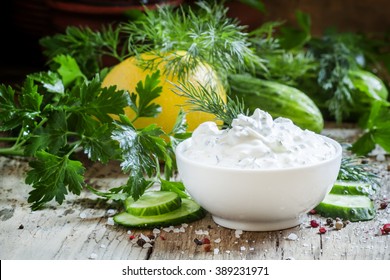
[(347, 207), (153, 203), (189, 211), (352, 188)]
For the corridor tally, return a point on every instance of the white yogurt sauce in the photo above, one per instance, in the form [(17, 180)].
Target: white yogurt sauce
[(257, 142)]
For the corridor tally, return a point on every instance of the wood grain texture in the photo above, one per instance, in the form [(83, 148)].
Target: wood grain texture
[(82, 228)]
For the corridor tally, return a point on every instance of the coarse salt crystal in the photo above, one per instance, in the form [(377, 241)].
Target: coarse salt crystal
[(218, 240), (184, 225), (182, 229), (93, 256), (147, 245), (111, 212), (156, 231), (227, 251), (242, 248), (144, 237), (251, 249), (216, 251), (168, 229), (83, 215), (176, 230), (292, 237), (238, 233), (381, 157), (110, 221), (201, 232), (129, 232)]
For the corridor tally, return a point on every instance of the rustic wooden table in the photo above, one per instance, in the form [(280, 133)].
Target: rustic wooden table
[(82, 228)]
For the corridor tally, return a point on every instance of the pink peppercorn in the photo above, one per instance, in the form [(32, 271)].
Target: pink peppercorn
[(312, 212), (207, 247), (131, 237), (322, 230), (206, 240), (383, 205), (386, 228), (314, 223)]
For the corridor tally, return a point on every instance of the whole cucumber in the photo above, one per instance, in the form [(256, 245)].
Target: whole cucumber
[(277, 99), (368, 88)]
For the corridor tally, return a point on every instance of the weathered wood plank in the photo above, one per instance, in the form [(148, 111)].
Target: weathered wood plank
[(82, 228), (78, 229)]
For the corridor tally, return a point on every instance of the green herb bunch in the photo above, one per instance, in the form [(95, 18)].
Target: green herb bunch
[(282, 64), (57, 114), (337, 56), (204, 32)]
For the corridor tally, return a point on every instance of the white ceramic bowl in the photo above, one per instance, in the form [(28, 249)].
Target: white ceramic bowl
[(258, 200)]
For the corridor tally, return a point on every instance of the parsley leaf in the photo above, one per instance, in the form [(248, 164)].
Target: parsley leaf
[(377, 130), (99, 146), (53, 177), (14, 114), (177, 187), (141, 151), (93, 100), (146, 92), (51, 137), (69, 69)]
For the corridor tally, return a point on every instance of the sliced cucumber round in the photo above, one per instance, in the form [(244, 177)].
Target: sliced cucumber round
[(153, 203), (347, 207), (352, 188), (189, 211)]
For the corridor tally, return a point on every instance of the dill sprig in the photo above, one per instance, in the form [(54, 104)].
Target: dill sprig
[(352, 169), (337, 56), (205, 33), (200, 98), (86, 46)]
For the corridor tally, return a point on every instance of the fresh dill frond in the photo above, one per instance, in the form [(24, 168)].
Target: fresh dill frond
[(204, 32), (352, 169), (200, 98), (337, 56)]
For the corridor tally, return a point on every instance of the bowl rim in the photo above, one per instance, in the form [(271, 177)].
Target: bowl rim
[(338, 154)]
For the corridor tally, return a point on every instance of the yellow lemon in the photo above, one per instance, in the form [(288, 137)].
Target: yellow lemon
[(128, 73)]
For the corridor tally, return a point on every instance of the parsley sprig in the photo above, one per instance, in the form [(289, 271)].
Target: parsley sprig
[(51, 122)]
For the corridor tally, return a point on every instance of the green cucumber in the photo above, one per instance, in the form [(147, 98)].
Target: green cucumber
[(352, 188), (347, 207), (369, 88), (189, 211), (153, 203), (277, 99)]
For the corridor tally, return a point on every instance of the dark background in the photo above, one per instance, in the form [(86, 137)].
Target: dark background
[(24, 22)]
